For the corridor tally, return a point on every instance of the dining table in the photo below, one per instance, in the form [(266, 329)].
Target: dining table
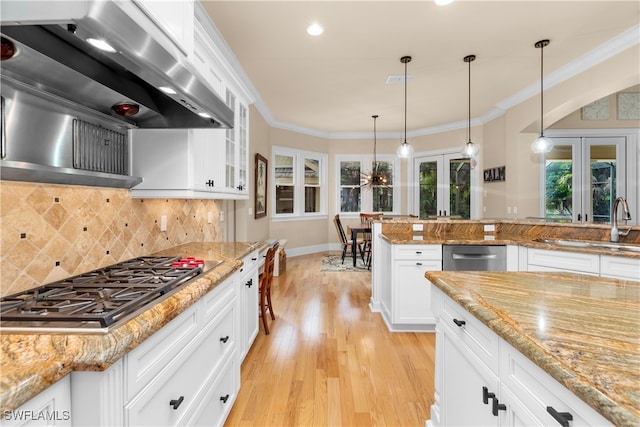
[(355, 231)]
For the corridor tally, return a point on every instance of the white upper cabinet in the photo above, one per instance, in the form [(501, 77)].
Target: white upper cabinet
[(174, 19)]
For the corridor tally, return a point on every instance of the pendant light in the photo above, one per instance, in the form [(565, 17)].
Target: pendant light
[(374, 178), (470, 150), (542, 144), (405, 149)]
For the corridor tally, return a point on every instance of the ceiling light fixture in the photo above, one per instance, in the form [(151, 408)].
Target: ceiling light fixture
[(470, 150), (405, 149), (542, 144), (374, 178), (315, 29)]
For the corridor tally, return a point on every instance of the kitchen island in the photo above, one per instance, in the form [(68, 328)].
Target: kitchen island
[(580, 330), (32, 362)]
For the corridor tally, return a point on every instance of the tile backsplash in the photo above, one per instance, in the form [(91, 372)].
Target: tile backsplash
[(49, 232)]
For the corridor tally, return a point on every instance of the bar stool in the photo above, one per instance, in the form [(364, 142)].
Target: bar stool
[(265, 287)]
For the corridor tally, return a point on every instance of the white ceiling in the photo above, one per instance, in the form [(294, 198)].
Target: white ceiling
[(331, 85)]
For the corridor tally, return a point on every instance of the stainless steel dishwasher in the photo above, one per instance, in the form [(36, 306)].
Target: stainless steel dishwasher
[(474, 257)]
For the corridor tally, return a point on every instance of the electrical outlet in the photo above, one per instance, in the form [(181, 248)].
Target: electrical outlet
[(515, 209), (221, 216), (209, 217), (163, 223), (418, 227), (508, 209), (489, 228)]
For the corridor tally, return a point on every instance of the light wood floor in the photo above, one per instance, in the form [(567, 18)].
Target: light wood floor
[(330, 361)]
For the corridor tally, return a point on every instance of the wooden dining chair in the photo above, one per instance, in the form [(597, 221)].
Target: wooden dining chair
[(265, 287), (365, 221), (346, 242)]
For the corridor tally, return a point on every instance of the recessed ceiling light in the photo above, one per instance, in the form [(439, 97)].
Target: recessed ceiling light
[(314, 29), (102, 45), (443, 2), (167, 89)]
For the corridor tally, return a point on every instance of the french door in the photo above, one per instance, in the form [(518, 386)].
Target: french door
[(445, 186), (582, 178)]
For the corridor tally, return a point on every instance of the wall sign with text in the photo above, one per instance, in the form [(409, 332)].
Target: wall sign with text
[(494, 174)]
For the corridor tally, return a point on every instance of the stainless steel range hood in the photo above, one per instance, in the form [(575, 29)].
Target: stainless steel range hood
[(55, 57), (58, 124)]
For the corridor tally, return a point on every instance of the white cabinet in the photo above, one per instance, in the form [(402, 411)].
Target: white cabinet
[(52, 407), (187, 372), (174, 18), (576, 262), (482, 380), (620, 267), (406, 296), (248, 303)]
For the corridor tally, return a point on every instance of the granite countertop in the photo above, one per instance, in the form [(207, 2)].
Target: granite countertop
[(428, 238), (31, 362), (581, 330)]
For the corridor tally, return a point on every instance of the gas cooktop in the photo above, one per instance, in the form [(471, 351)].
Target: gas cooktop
[(99, 300)]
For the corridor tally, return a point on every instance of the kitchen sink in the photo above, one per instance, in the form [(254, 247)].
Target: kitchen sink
[(591, 244)]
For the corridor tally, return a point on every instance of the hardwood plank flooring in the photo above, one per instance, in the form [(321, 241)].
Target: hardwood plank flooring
[(330, 361)]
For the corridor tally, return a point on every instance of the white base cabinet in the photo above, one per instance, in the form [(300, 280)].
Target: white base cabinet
[(52, 407), (482, 380), (187, 372), (406, 294), (248, 295)]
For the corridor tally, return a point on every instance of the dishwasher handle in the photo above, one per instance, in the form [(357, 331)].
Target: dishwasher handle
[(473, 256)]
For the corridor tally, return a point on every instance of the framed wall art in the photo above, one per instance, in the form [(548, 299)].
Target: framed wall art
[(260, 208)]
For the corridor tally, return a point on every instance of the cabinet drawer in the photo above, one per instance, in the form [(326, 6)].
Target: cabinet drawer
[(220, 296), (480, 339), (219, 398), (145, 362), (625, 268), (564, 261), (537, 390), (184, 378), (417, 252)]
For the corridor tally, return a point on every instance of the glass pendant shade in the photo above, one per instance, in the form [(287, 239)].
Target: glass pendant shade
[(470, 150), (542, 145), (405, 150)]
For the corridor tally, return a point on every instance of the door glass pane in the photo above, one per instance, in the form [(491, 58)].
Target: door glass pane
[(559, 183), (350, 176), (428, 179), (602, 163), (460, 187), (284, 184)]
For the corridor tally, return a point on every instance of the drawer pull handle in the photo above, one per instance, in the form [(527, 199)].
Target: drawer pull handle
[(486, 395), (254, 259), (459, 323), (224, 399), (418, 263), (224, 339), (249, 283), (176, 403), (497, 406), (418, 252), (562, 418)]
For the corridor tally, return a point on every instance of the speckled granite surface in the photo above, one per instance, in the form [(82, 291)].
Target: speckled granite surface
[(590, 341), (30, 363)]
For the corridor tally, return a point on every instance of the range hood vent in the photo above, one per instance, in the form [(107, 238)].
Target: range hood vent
[(55, 58)]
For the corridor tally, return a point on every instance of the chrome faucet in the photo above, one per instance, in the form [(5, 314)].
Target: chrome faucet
[(615, 233)]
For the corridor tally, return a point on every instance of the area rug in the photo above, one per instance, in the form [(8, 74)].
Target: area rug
[(333, 262)]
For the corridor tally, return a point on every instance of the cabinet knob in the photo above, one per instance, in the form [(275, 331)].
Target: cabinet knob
[(224, 399), (460, 324), (224, 339), (176, 403), (562, 418)]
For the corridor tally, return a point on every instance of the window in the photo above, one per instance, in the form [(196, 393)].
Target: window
[(353, 198), (299, 183)]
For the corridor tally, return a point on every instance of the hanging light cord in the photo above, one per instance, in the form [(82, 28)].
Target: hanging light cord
[(405, 101), (541, 88), (469, 122), (375, 162)]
